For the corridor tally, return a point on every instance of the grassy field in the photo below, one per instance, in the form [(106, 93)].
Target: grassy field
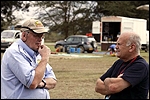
[(77, 76)]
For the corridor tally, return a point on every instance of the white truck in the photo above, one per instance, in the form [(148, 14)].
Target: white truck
[(8, 37), (110, 27)]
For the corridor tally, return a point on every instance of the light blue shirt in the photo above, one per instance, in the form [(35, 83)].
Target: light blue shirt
[(18, 71), (113, 46)]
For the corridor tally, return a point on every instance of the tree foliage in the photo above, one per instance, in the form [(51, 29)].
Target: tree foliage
[(7, 9), (122, 8), (64, 15), (67, 17), (73, 17)]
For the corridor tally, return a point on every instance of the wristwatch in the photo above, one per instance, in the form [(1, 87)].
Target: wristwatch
[(44, 83)]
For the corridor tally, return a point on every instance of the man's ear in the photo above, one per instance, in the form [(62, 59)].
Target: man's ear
[(132, 48), (24, 36)]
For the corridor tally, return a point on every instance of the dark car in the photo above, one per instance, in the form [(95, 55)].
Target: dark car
[(85, 43)]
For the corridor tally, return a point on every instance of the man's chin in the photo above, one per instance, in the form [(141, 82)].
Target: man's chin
[(117, 56), (36, 49)]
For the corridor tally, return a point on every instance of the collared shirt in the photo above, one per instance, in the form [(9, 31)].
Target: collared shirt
[(18, 71)]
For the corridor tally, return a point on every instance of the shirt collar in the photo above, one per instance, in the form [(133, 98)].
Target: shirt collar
[(27, 49)]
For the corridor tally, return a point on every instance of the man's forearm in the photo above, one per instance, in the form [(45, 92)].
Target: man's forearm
[(100, 87), (39, 72), (40, 69)]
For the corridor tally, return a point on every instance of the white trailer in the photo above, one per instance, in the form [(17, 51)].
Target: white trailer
[(96, 30), (112, 26)]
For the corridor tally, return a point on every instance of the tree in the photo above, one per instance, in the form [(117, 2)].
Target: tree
[(72, 17), (122, 8), (67, 17), (7, 8)]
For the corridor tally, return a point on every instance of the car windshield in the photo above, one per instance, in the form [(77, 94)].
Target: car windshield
[(7, 34)]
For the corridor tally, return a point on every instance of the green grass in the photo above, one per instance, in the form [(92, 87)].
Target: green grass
[(77, 76)]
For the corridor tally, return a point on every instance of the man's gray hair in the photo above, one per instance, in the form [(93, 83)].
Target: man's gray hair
[(134, 38)]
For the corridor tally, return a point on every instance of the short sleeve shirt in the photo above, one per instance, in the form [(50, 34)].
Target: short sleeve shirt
[(136, 73)]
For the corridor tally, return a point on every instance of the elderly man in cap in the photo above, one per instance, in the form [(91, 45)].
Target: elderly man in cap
[(25, 72)]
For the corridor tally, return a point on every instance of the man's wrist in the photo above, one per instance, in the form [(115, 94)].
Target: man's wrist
[(44, 83)]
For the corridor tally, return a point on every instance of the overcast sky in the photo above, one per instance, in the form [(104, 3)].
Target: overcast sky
[(22, 16), (25, 15)]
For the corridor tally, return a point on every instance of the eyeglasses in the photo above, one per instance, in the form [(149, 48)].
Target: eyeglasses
[(41, 35), (38, 35)]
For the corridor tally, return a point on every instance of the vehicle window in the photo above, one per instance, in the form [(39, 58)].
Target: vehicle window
[(69, 39), (82, 39), (7, 34), (78, 39)]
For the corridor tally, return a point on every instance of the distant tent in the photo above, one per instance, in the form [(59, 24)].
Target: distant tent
[(143, 7)]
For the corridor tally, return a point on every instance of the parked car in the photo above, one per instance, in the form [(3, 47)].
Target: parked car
[(8, 37), (85, 43)]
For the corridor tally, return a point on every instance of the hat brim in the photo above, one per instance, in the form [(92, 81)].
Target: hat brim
[(40, 30)]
